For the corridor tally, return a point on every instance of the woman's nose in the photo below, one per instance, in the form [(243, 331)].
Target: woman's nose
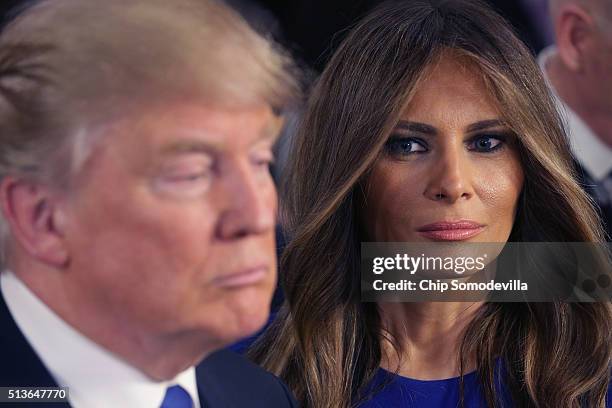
[(450, 176)]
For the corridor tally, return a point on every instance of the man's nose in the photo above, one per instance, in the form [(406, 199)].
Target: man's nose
[(450, 177), (250, 203)]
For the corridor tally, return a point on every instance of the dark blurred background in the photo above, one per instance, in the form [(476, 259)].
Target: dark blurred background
[(312, 29)]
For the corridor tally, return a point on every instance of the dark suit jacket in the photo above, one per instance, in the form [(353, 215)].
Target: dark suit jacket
[(595, 190), (225, 379)]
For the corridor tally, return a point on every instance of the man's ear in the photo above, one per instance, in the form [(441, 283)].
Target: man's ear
[(32, 212), (575, 29)]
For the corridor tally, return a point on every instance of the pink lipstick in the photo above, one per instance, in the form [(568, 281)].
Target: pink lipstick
[(451, 230)]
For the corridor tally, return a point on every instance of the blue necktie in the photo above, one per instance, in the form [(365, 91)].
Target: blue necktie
[(177, 397)]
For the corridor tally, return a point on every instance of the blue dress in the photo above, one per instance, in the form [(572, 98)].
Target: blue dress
[(388, 390)]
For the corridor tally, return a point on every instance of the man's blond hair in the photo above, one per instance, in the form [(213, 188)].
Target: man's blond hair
[(68, 67)]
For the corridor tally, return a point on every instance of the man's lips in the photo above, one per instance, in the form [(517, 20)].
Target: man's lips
[(451, 230), (244, 277)]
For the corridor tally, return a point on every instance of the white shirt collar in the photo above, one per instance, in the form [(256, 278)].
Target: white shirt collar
[(592, 153), (95, 376)]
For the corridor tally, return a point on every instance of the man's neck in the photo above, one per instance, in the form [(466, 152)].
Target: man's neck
[(570, 89), (159, 357)]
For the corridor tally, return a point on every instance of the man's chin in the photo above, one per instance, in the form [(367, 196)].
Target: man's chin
[(250, 324), (239, 326)]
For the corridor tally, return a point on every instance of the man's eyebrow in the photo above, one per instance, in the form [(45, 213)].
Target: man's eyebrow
[(270, 132), (484, 125), (188, 146), (416, 127)]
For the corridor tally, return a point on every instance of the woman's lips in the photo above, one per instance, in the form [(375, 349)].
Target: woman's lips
[(451, 230), (245, 277)]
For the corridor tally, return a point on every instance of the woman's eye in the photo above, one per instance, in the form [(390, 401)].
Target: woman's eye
[(485, 143), (404, 146)]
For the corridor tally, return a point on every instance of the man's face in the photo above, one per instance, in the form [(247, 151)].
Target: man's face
[(170, 224), (598, 66)]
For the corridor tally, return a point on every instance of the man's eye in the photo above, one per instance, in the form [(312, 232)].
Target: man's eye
[(187, 177), (184, 184), (486, 143), (263, 160), (405, 146)]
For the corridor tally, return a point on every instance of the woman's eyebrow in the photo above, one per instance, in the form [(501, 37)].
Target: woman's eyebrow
[(416, 127), (483, 125)]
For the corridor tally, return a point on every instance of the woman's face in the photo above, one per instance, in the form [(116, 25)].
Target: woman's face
[(450, 169)]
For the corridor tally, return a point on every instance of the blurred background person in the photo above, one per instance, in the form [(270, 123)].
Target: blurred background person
[(578, 69), (431, 115), (138, 211)]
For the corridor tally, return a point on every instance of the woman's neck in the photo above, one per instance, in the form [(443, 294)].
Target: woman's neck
[(428, 336)]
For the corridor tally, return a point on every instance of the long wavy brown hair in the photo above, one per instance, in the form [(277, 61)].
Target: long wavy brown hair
[(325, 343)]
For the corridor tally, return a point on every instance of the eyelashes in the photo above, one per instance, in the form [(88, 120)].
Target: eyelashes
[(485, 143), (401, 145)]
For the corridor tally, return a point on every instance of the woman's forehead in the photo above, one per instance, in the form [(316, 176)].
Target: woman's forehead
[(452, 87)]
